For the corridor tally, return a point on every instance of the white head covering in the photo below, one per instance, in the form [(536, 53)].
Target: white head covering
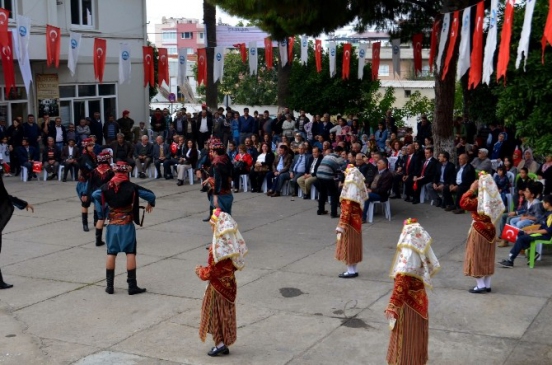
[(354, 188), (489, 201), (414, 256), (228, 242)]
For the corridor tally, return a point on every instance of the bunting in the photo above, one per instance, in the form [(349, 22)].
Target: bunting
[(291, 42), (548, 27), (4, 19), (253, 58), (505, 37), (100, 49), (433, 46), (452, 42), (201, 66), (464, 50), (318, 54), (523, 47), (243, 51), (282, 48), (147, 53), (163, 67), (417, 40), (361, 59), (125, 67), (376, 48), (490, 45), (304, 50), (73, 51), (7, 61), (396, 49), (333, 52), (53, 45), (476, 60), (345, 69), (181, 78), (218, 64), (443, 40), (268, 53)]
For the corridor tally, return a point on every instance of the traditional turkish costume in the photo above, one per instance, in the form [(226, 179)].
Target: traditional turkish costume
[(7, 204), (87, 163), (99, 176), (349, 237), (413, 266), (226, 255), (221, 171), (486, 207)]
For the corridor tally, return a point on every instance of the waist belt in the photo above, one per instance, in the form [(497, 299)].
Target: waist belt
[(121, 216)]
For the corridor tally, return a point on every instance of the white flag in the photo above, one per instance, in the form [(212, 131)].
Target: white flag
[(304, 50), (361, 59), (124, 63), (282, 47), (333, 51), (396, 46), (23, 34), (73, 53), (24, 64), (490, 45), (464, 58), (218, 64), (253, 57), (182, 65), (523, 47), (443, 40)]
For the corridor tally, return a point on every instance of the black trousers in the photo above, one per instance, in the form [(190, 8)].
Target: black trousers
[(447, 195), (328, 189)]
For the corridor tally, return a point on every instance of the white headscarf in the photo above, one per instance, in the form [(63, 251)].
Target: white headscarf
[(489, 201), (228, 242), (414, 256), (354, 188)]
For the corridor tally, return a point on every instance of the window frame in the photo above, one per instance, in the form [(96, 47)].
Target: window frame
[(182, 35), (93, 8), (13, 12), (380, 70)]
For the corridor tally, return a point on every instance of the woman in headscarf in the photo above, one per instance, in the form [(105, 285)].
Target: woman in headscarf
[(349, 230), (528, 162), (484, 202), (226, 255), (413, 266), (545, 172)]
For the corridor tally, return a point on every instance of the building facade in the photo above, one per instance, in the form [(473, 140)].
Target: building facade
[(175, 33), (79, 96)]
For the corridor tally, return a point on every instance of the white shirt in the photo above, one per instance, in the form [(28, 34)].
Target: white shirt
[(313, 165), (203, 128), (70, 151), (261, 158), (459, 175), (59, 134)]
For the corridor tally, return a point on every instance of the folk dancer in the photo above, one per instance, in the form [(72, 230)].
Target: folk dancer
[(407, 312), (99, 176), (226, 255), (87, 163), (221, 171), (121, 208)]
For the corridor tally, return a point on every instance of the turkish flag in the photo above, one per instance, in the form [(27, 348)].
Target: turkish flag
[(53, 45), (433, 48), (548, 27), (268, 53), (37, 167), (509, 233), (291, 41), (100, 48), (417, 40), (148, 66), (4, 19), (243, 51), (201, 66), (318, 54), (452, 42), (376, 47), (163, 66), (7, 61), (345, 70), (476, 60), (505, 37)]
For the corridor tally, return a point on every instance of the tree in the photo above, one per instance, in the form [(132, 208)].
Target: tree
[(210, 20)]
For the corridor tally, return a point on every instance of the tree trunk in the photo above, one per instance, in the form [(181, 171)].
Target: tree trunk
[(284, 74), (210, 21)]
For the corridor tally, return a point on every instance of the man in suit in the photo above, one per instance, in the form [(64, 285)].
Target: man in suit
[(465, 176), (281, 166), (26, 155), (122, 150), (190, 130), (32, 132), (96, 127), (325, 126), (69, 158), (379, 189), (204, 127), (306, 180), (301, 163), (162, 155), (143, 155), (51, 157), (58, 133), (248, 125), (444, 176), (427, 173), (410, 171)]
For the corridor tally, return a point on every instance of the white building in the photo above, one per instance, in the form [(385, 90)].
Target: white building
[(121, 21)]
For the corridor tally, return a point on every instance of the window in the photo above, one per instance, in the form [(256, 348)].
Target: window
[(186, 35), (383, 70), (91, 98), (67, 91), (191, 51), (201, 35), (87, 90), (425, 71), (169, 36), (172, 50), (10, 6), (82, 13), (407, 93), (106, 89)]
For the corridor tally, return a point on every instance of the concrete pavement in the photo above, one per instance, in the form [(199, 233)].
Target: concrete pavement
[(292, 308)]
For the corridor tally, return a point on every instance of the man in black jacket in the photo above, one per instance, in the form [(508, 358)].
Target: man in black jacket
[(426, 174), (204, 127), (58, 133), (96, 128), (444, 176), (465, 176), (410, 171)]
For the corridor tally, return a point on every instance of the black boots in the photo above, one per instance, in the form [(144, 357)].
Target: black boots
[(85, 222), (99, 241), (210, 214), (132, 284), (109, 278), (95, 217), (2, 284)]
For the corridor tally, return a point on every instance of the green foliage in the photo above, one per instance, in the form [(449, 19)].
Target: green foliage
[(417, 105), (376, 105)]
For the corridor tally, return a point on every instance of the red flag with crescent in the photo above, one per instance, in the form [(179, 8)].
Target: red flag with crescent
[(201, 66), (318, 54), (345, 69), (7, 61), (162, 66), (100, 48), (243, 51), (148, 66), (268, 52), (4, 19), (433, 48), (53, 45), (548, 27), (505, 37), (452, 42), (417, 40), (476, 59), (376, 47), (291, 42)]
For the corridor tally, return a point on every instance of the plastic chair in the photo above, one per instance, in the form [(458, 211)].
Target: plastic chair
[(24, 174), (244, 182), (536, 246), (386, 206), (314, 192)]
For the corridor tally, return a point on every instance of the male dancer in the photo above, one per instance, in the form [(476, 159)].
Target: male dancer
[(87, 163), (99, 176), (121, 199)]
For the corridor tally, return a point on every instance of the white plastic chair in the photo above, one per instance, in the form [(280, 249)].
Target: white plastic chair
[(244, 182), (386, 210), (24, 174)]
